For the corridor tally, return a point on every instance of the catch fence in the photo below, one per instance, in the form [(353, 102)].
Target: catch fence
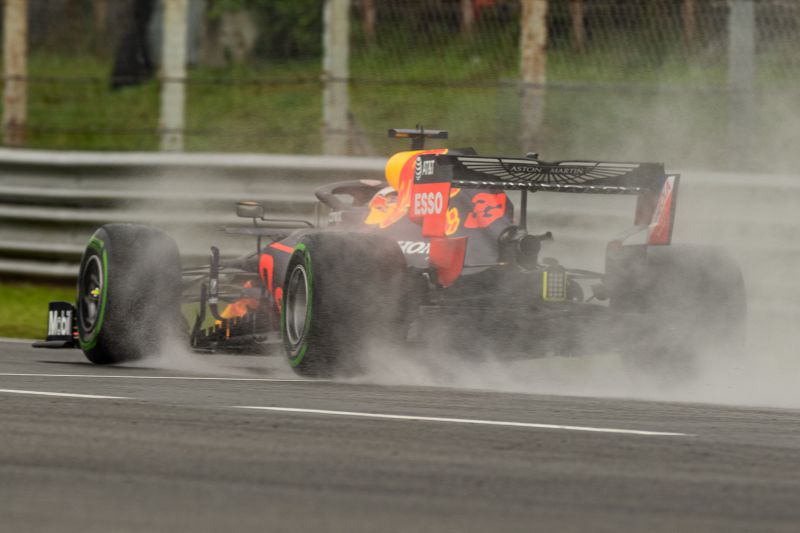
[(701, 83)]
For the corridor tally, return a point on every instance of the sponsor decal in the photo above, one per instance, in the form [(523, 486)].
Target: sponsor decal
[(429, 206), (414, 247), (59, 323), (423, 168), (565, 172), (428, 203), (516, 170), (486, 208)]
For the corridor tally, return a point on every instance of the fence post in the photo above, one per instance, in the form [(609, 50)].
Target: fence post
[(741, 73), (533, 67), (576, 10), (689, 16), (173, 74), (467, 17), (101, 16), (15, 70), (335, 76), (368, 17)]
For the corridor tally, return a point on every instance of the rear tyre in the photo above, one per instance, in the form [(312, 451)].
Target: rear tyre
[(342, 290), (692, 301), (128, 293)]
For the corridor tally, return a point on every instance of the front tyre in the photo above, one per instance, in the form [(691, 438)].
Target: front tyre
[(128, 293)]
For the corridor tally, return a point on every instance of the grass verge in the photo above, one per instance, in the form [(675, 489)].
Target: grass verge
[(23, 313)]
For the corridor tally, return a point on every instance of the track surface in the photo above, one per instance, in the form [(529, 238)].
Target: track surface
[(179, 455)]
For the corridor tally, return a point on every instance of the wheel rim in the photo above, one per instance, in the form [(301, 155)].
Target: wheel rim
[(297, 305), (90, 293)]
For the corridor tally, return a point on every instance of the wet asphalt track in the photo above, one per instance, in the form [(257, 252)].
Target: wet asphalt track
[(158, 450)]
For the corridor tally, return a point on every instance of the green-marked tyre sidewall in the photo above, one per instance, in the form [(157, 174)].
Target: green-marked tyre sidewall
[(139, 297), (97, 245), (297, 353), (352, 284)]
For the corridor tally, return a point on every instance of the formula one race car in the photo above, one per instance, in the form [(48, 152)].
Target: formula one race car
[(435, 252)]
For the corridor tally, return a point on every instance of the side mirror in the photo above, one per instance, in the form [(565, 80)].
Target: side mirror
[(249, 210)]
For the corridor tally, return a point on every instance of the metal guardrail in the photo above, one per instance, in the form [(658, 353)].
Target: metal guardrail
[(51, 202)]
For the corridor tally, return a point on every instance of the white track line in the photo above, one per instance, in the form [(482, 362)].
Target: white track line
[(197, 378), (466, 421), (64, 394)]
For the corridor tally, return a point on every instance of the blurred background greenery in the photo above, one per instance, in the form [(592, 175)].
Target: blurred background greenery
[(625, 78)]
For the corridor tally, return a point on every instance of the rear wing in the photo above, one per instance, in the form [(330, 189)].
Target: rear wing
[(468, 171), (435, 174)]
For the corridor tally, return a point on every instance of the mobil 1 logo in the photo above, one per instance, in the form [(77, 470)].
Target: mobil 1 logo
[(59, 321)]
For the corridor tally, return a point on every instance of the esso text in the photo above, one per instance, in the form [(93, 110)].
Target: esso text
[(428, 203)]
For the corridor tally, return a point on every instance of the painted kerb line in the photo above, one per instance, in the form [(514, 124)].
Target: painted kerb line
[(467, 421)]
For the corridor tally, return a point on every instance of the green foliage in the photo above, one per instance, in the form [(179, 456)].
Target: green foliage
[(257, 111), (24, 310), (79, 110), (294, 29), (255, 117), (287, 28), (218, 7)]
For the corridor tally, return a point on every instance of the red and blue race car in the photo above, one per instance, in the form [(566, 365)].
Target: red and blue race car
[(435, 252)]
